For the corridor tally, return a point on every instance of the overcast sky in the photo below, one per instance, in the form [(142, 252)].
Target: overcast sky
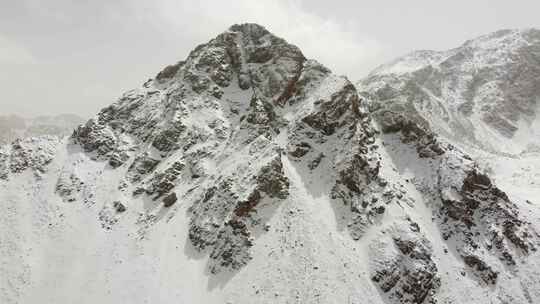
[(69, 56)]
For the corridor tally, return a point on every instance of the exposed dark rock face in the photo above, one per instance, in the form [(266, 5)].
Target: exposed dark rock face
[(110, 214), (261, 119), (141, 166), (232, 247), (479, 211), (170, 200), (169, 71), (408, 274), (94, 136), (68, 186), (167, 139), (163, 182), (119, 207), (31, 153), (229, 229), (358, 184), (486, 273), (329, 113), (415, 130), (472, 208), (272, 181), (244, 208)]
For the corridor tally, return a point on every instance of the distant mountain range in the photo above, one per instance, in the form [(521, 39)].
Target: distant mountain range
[(13, 126), (484, 93)]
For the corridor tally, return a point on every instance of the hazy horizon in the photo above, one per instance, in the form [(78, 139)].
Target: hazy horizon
[(63, 57)]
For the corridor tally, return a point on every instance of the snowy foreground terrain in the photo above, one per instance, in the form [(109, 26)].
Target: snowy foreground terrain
[(250, 174)]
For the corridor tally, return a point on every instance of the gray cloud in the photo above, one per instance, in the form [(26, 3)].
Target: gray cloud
[(72, 56)]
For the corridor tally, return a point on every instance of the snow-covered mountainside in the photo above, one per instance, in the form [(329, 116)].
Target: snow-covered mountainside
[(485, 93), (483, 96), (13, 126), (250, 174)]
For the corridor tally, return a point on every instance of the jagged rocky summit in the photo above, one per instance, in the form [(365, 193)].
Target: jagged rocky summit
[(250, 174)]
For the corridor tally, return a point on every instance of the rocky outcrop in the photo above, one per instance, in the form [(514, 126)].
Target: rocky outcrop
[(223, 217), (34, 154), (412, 129), (68, 186), (110, 214), (141, 166), (481, 269), (481, 217), (403, 267), (170, 200), (163, 181)]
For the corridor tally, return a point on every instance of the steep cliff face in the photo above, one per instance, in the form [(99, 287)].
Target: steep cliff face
[(250, 174), (484, 93)]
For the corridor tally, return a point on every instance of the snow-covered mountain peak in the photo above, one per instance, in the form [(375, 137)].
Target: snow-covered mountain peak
[(247, 52), (247, 173)]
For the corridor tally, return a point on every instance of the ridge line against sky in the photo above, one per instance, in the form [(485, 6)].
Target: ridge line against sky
[(65, 57)]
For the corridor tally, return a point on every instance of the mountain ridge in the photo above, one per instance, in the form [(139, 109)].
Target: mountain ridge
[(487, 86)]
